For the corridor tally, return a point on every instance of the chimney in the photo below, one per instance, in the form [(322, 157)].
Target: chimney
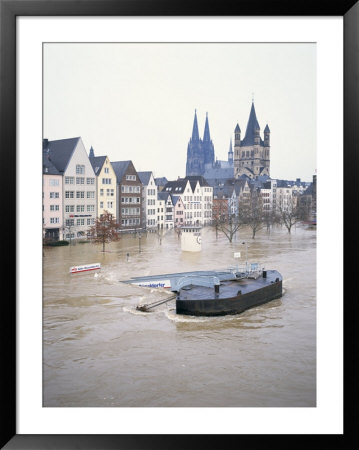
[(45, 144)]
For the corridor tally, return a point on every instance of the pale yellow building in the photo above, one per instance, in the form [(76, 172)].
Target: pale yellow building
[(106, 184)]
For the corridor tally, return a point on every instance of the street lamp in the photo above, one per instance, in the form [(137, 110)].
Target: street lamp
[(245, 243)]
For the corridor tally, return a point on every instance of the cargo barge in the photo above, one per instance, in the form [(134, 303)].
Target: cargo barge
[(215, 293)]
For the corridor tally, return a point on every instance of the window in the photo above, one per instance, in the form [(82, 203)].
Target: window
[(80, 180), (69, 208), (69, 194), (54, 207), (54, 220), (109, 204), (90, 194), (131, 177), (54, 195), (106, 181), (90, 221), (106, 170), (70, 222), (53, 182), (110, 192), (90, 208), (80, 208), (80, 194), (69, 180), (80, 221), (101, 192), (90, 180), (80, 169)]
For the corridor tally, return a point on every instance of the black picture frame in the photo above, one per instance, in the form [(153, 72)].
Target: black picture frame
[(9, 10)]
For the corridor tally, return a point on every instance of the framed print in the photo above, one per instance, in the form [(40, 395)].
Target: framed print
[(84, 365)]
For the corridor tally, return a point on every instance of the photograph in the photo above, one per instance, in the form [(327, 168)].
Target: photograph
[(179, 224)]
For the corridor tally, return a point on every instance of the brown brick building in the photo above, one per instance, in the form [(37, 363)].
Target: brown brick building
[(129, 196)]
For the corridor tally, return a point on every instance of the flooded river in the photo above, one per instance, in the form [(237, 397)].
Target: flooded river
[(99, 351)]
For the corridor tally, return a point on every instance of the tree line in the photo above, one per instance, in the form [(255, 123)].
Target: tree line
[(251, 213)]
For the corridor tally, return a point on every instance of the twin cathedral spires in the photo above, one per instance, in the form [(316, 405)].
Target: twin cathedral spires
[(251, 156), (200, 152)]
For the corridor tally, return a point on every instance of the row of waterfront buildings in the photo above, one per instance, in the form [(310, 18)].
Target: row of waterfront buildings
[(78, 187)]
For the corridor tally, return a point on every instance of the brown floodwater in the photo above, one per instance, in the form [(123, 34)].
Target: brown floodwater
[(98, 350)]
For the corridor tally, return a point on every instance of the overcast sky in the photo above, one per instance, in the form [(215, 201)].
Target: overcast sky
[(137, 101)]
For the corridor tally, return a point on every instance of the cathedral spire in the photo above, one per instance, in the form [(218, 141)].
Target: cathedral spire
[(252, 128), (230, 153), (206, 135), (195, 134)]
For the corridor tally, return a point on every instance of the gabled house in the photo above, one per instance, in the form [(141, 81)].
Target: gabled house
[(168, 206), (179, 210), (149, 200), (129, 196), (197, 197), (106, 184), (52, 211), (70, 158)]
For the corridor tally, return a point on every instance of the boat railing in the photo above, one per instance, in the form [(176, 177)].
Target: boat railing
[(247, 270)]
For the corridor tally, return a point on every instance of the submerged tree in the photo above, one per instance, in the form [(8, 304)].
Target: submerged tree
[(290, 212), (104, 230), (251, 212), (223, 220)]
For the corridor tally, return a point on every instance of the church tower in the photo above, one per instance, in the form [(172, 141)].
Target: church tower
[(230, 153), (208, 148), (200, 153), (252, 154), (195, 156)]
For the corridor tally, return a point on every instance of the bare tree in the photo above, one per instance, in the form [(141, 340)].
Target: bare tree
[(104, 230), (223, 220), (219, 213), (251, 212), (290, 212)]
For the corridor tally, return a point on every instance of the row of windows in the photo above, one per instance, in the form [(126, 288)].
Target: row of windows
[(109, 192), (79, 194), (79, 222), (189, 215), (151, 202), (130, 211), (130, 189), (109, 204), (151, 191), (106, 181), (151, 212), (79, 180), (79, 208), (128, 222), (130, 200)]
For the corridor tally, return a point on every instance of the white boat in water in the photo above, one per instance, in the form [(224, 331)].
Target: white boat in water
[(85, 268)]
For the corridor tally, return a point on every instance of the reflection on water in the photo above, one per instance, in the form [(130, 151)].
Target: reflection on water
[(100, 351)]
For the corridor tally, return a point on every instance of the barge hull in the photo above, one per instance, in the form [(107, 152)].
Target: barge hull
[(232, 305)]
